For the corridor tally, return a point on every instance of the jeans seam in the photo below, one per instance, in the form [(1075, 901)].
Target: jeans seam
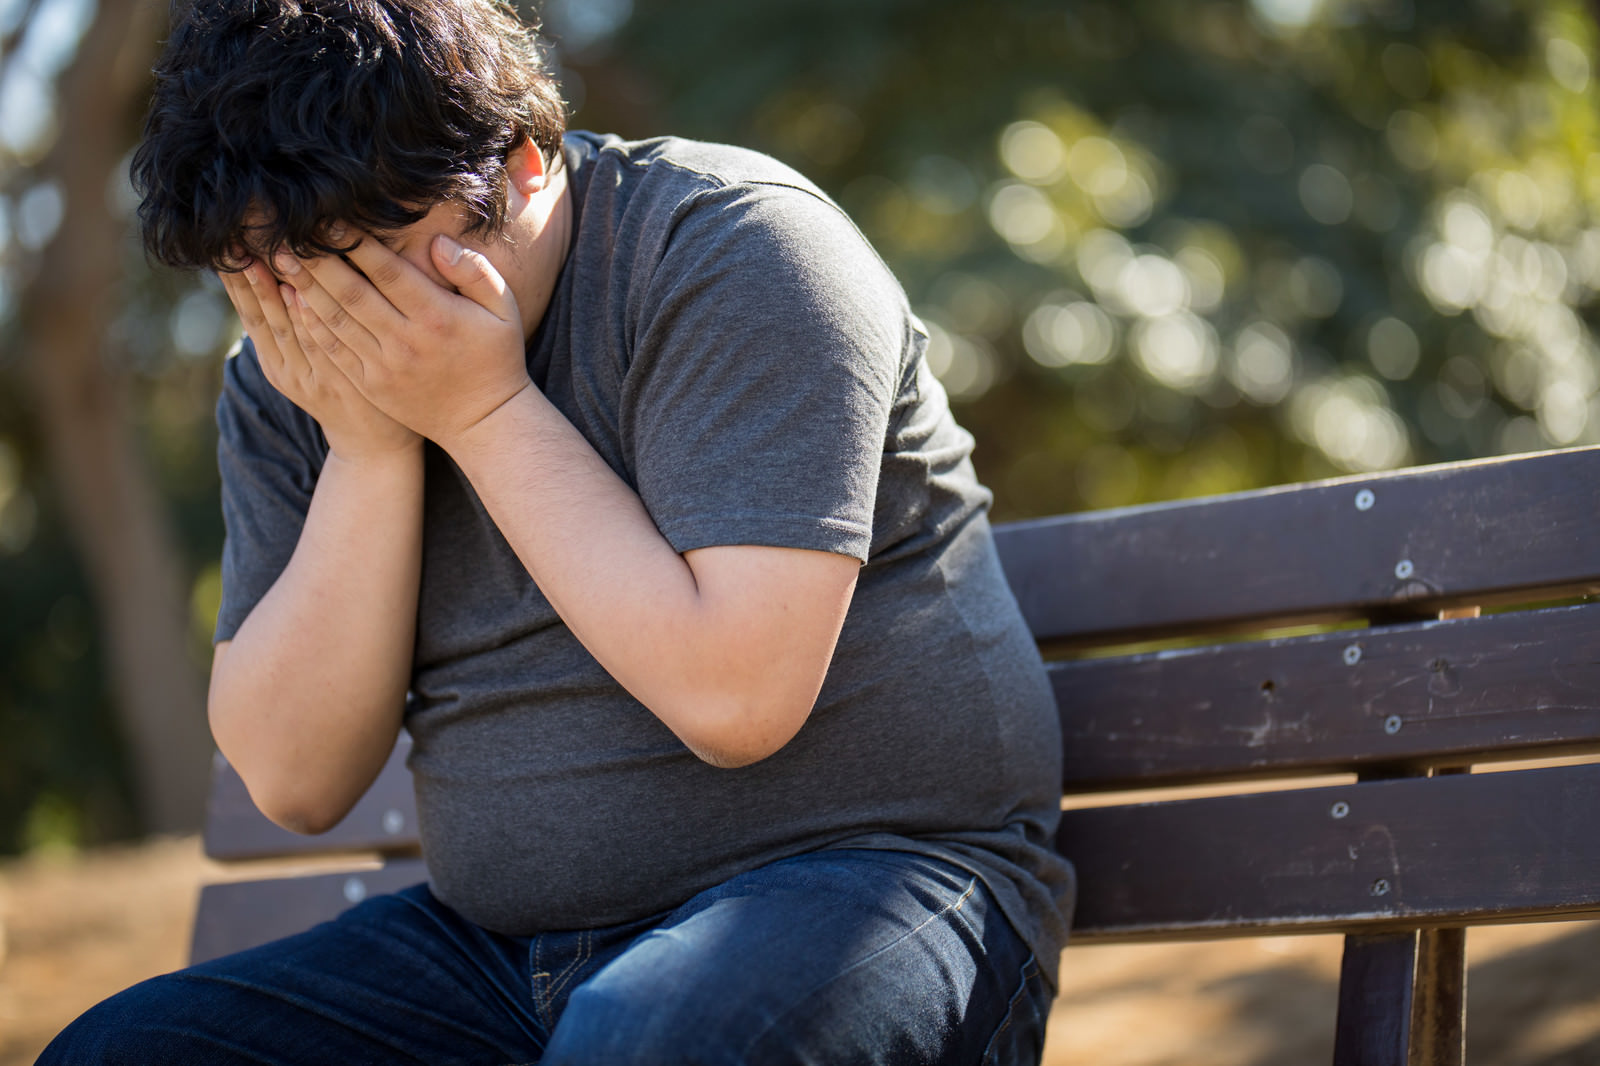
[(540, 980), (972, 887), (1029, 969), (572, 968)]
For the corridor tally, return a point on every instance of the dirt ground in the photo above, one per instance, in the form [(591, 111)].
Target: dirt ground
[(78, 927)]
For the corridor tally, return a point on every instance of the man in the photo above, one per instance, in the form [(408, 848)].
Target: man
[(622, 459)]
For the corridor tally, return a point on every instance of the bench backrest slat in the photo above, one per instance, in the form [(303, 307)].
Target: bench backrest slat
[(1465, 533), (1378, 854), (1443, 693)]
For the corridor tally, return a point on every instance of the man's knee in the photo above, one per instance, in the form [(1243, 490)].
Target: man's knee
[(841, 1022), (149, 1022)]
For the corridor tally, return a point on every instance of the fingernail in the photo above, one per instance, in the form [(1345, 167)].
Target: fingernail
[(286, 263), (287, 293), (450, 248)]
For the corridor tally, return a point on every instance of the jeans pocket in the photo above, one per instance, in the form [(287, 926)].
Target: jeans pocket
[(1019, 1038)]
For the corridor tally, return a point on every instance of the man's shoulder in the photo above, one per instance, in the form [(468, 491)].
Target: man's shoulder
[(637, 202), (683, 161)]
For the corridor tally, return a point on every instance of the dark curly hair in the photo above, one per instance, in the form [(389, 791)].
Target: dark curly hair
[(273, 119)]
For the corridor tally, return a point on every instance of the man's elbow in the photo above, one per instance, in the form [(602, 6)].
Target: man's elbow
[(302, 820), (738, 733), (305, 821), (733, 755), (297, 809)]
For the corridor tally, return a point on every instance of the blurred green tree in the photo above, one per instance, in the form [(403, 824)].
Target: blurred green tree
[(81, 700), (1171, 248)]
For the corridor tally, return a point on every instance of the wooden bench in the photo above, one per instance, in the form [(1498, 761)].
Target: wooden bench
[(1173, 666)]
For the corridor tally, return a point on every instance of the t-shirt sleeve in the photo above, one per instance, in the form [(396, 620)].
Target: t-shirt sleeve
[(768, 348), (269, 453)]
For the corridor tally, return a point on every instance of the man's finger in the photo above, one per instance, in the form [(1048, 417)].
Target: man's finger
[(345, 301), (316, 337), (242, 295), (402, 285), (243, 301), (375, 290), (264, 292), (297, 319), (474, 277)]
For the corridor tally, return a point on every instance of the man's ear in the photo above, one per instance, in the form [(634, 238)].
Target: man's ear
[(527, 172)]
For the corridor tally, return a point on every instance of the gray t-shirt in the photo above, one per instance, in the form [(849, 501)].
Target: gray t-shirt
[(729, 343)]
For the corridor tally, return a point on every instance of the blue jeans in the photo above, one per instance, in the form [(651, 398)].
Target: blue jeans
[(834, 957)]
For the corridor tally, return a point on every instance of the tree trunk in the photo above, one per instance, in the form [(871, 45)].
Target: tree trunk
[(83, 405)]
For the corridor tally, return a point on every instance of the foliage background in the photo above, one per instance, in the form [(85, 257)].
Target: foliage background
[(1165, 249)]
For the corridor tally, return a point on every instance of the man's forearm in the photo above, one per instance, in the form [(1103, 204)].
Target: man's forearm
[(307, 698), (727, 646)]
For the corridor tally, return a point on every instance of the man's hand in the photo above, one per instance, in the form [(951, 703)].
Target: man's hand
[(434, 360), (302, 372)]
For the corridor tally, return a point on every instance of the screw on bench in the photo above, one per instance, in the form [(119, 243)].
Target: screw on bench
[(1365, 499), (1340, 809), (1380, 887), (393, 822), (355, 890), (1352, 655), (1392, 724), (1404, 569)]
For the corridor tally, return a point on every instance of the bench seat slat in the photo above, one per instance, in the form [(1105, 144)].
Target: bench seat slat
[(1456, 850), (383, 820), (1437, 536), (236, 915), (1512, 686)]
